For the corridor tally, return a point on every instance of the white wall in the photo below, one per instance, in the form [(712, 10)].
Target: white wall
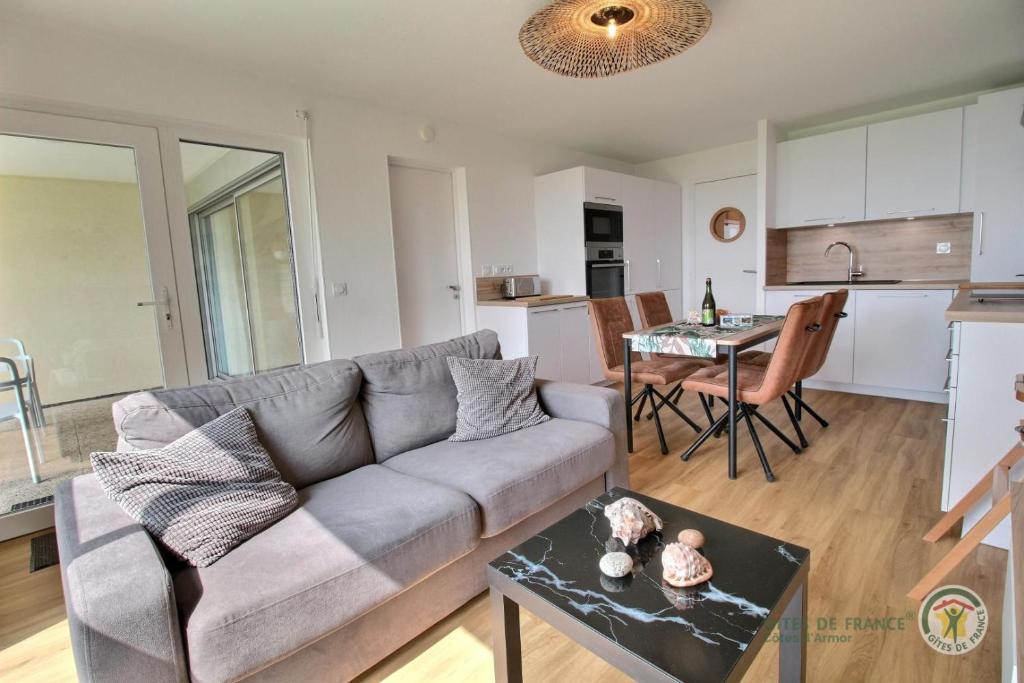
[(689, 169), (351, 143)]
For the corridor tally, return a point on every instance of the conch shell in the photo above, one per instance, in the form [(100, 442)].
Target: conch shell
[(631, 520), (683, 566)]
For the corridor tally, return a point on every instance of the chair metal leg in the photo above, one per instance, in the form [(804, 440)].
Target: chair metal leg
[(707, 409), (768, 474), (643, 400), (668, 397), (657, 425), (775, 430), (705, 435), (801, 404), (796, 423), (674, 408)]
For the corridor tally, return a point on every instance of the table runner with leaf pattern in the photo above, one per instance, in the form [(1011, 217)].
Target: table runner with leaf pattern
[(683, 339)]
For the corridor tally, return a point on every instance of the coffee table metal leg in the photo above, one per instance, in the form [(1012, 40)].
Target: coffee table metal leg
[(508, 658), (627, 371), (793, 639), (732, 412)]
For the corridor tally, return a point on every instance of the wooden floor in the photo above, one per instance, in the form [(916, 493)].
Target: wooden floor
[(860, 498)]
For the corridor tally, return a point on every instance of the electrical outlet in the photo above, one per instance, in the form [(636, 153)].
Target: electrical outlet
[(486, 271), (942, 248), (339, 288), (506, 268)]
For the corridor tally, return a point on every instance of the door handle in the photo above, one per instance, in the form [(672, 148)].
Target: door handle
[(455, 290), (164, 301), (748, 270)]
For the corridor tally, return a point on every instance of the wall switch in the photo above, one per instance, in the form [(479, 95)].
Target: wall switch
[(503, 269), (339, 288), (486, 271), (942, 248)]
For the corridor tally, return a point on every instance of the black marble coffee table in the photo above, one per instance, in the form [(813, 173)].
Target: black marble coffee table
[(644, 627)]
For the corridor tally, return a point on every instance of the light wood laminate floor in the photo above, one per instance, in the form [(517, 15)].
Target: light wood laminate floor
[(860, 498)]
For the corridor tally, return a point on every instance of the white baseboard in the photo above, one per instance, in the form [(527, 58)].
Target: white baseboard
[(27, 522), (906, 394)]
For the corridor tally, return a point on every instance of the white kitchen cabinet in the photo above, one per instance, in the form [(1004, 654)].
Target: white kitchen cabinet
[(999, 188), (559, 335), (900, 339), (913, 166), (668, 221), (675, 303), (639, 235), (603, 187), (820, 179), (838, 365)]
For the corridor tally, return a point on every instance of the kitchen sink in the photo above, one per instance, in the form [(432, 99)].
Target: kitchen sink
[(811, 283)]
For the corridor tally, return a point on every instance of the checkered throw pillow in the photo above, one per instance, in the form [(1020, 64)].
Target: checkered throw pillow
[(203, 494), (495, 397)]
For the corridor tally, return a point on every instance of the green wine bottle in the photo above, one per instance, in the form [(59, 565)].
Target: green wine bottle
[(707, 309)]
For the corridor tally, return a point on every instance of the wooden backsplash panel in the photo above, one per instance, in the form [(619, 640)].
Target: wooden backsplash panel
[(898, 250)]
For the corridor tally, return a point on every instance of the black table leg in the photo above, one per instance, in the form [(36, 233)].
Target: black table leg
[(508, 658), (793, 638), (627, 359), (732, 412)]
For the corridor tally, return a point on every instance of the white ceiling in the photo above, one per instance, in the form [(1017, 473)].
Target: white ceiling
[(796, 62)]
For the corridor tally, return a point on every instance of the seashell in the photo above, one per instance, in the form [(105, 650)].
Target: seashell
[(616, 565), (691, 537), (683, 566), (631, 520)]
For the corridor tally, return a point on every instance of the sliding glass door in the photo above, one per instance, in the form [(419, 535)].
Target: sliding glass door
[(88, 303), (242, 245)]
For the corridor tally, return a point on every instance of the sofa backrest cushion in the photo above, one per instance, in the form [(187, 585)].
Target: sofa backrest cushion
[(308, 417), (409, 396)]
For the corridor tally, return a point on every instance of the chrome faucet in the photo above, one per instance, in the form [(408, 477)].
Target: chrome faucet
[(850, 272)]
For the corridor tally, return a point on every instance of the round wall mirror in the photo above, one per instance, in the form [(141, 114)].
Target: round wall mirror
[(728, 224)]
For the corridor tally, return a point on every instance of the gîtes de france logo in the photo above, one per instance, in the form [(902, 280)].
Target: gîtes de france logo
[(953, 619)]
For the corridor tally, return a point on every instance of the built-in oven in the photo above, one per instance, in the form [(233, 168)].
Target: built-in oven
[(602, 223), (606, 271)]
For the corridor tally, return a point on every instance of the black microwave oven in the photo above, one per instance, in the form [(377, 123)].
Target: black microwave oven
[(602, 223)]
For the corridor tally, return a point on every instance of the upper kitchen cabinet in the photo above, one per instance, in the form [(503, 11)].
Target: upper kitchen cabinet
[(668, 219), (820, 179), (913, 166), (999, 188), (603, 187), (639, 234)]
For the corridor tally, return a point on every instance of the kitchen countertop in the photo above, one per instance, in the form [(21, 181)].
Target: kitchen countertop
[(533, 301), (906, 284), (964, 309)]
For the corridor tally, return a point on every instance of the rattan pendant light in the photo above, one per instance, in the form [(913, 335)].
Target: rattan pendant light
[(597, 38)]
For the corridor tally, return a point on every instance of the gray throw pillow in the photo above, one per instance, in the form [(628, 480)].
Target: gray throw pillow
[(202, 494), (495, 397)]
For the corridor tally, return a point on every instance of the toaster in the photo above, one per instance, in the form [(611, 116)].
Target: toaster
[(520, 285)]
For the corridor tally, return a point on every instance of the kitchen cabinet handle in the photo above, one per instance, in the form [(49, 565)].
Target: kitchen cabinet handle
[(945, 387), (949, 356), (610, 199), (902, 296), (658, 262), (546, 309), (607, 265), (629, 283), (946, 419), (897, 211), (981, 230), (824, 218)]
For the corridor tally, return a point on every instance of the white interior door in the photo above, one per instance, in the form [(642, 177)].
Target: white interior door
[(731, 265), (423, 223), (87, 287)]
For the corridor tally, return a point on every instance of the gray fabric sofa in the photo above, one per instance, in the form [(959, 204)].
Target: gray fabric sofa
[(393, 531)]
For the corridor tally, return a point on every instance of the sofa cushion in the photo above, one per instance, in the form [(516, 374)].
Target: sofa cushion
[(515, 475), (308, 417), (354, 542), (495, 397), (409, 396)]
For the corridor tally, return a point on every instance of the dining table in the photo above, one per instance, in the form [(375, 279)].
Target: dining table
[(713, 342)]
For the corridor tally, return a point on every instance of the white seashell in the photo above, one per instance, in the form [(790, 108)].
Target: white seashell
[(683, 566), (631, 520), (616, 565)]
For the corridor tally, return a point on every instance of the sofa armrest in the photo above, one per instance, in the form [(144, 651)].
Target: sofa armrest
[(598, 405), (119, 595)]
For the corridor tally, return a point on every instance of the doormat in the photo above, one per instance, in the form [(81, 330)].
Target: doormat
[(43, 553), (29, 504)]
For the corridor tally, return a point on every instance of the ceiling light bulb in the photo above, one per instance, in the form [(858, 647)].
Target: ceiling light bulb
[(613, 28)]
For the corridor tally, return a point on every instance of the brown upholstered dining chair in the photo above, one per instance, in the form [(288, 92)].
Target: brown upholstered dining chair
[(759, 385), (832, 312), (610, 319), (653, 309)]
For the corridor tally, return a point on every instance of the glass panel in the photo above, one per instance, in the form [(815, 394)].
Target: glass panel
[(244, 259), (270, 282), (73, 266)]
